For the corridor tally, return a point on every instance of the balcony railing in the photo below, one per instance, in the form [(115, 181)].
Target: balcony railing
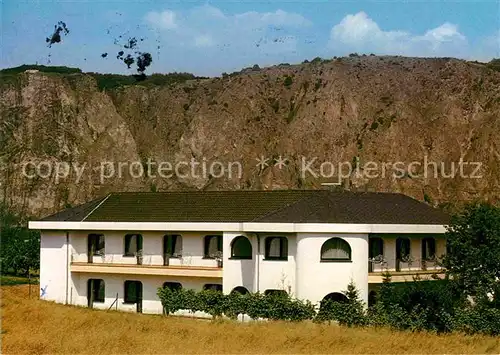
[(185, 260), (382, 264), (134, 269)]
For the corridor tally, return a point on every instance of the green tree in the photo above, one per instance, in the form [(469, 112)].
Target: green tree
[(349, 313), (473, 257), (19, 246)]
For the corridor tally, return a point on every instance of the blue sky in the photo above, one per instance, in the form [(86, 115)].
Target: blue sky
[(211, 37)]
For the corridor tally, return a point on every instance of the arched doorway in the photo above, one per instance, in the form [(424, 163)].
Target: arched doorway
[(372, 298), (239, 290)]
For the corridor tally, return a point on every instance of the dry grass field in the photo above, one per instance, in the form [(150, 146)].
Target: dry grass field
[(31, 326)]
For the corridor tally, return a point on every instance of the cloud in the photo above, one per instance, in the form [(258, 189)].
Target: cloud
[(165, 20), (359, 32), (206, 26), (209, 41), (204, 41), (277, 18)]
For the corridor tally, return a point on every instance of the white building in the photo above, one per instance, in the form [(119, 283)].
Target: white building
[(118, 250)]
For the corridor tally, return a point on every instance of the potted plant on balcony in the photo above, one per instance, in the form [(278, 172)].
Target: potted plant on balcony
[(408, 259), (218, 257), (101, 253), (139, 257), (379, 260)]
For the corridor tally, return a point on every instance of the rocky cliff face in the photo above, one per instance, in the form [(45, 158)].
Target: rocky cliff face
[(386, 115)]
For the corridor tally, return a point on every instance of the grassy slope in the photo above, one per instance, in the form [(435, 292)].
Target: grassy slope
[(36, 327)]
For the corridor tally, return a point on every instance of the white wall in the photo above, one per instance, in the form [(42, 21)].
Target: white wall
[(303, 274), (259, 274), (316, 279), (115, 285), (54, 262), (192, 245)]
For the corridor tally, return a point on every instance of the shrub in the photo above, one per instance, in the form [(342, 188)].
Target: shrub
[(171, 300), (256, 305), (349, 313), (211, 302), (417, 305), (288, 81), (478, 319)]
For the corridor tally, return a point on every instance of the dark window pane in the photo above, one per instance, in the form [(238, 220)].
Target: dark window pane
[(376, 247), (276, 248), (403, 248), (428, 248), (241, 248), (213, 245), (130, 292), (133, 244)]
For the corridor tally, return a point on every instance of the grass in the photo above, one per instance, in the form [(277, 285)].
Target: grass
[(8, 280), (31, 326)]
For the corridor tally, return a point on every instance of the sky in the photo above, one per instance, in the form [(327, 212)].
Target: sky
[(211, 37)]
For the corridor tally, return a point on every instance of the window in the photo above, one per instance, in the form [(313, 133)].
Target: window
[(133, 292), (213, 287), (95, 290), (240, 290), (275, 293), (241, 248), (95, 245), (428, 248), (172, 245), (133, 244), (403, 248), (173, 286), (335, 249), (213, 246), (376, 247), (276, 248)]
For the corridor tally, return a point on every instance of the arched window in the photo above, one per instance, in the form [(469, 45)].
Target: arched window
[(335, 249), (403, 248), (133, 244), (172, 246), (241, 248), (212, 246), (276, 248), (275, 293), (240, 290), (428, 248), (173, 286), (213, 287)]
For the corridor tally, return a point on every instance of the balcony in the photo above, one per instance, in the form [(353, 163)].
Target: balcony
[(158, 270), (402, 270)]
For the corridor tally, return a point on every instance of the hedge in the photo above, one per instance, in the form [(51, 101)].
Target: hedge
[(415, 306)]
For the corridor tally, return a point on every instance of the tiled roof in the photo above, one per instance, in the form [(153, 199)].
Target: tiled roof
[(280, 206)]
